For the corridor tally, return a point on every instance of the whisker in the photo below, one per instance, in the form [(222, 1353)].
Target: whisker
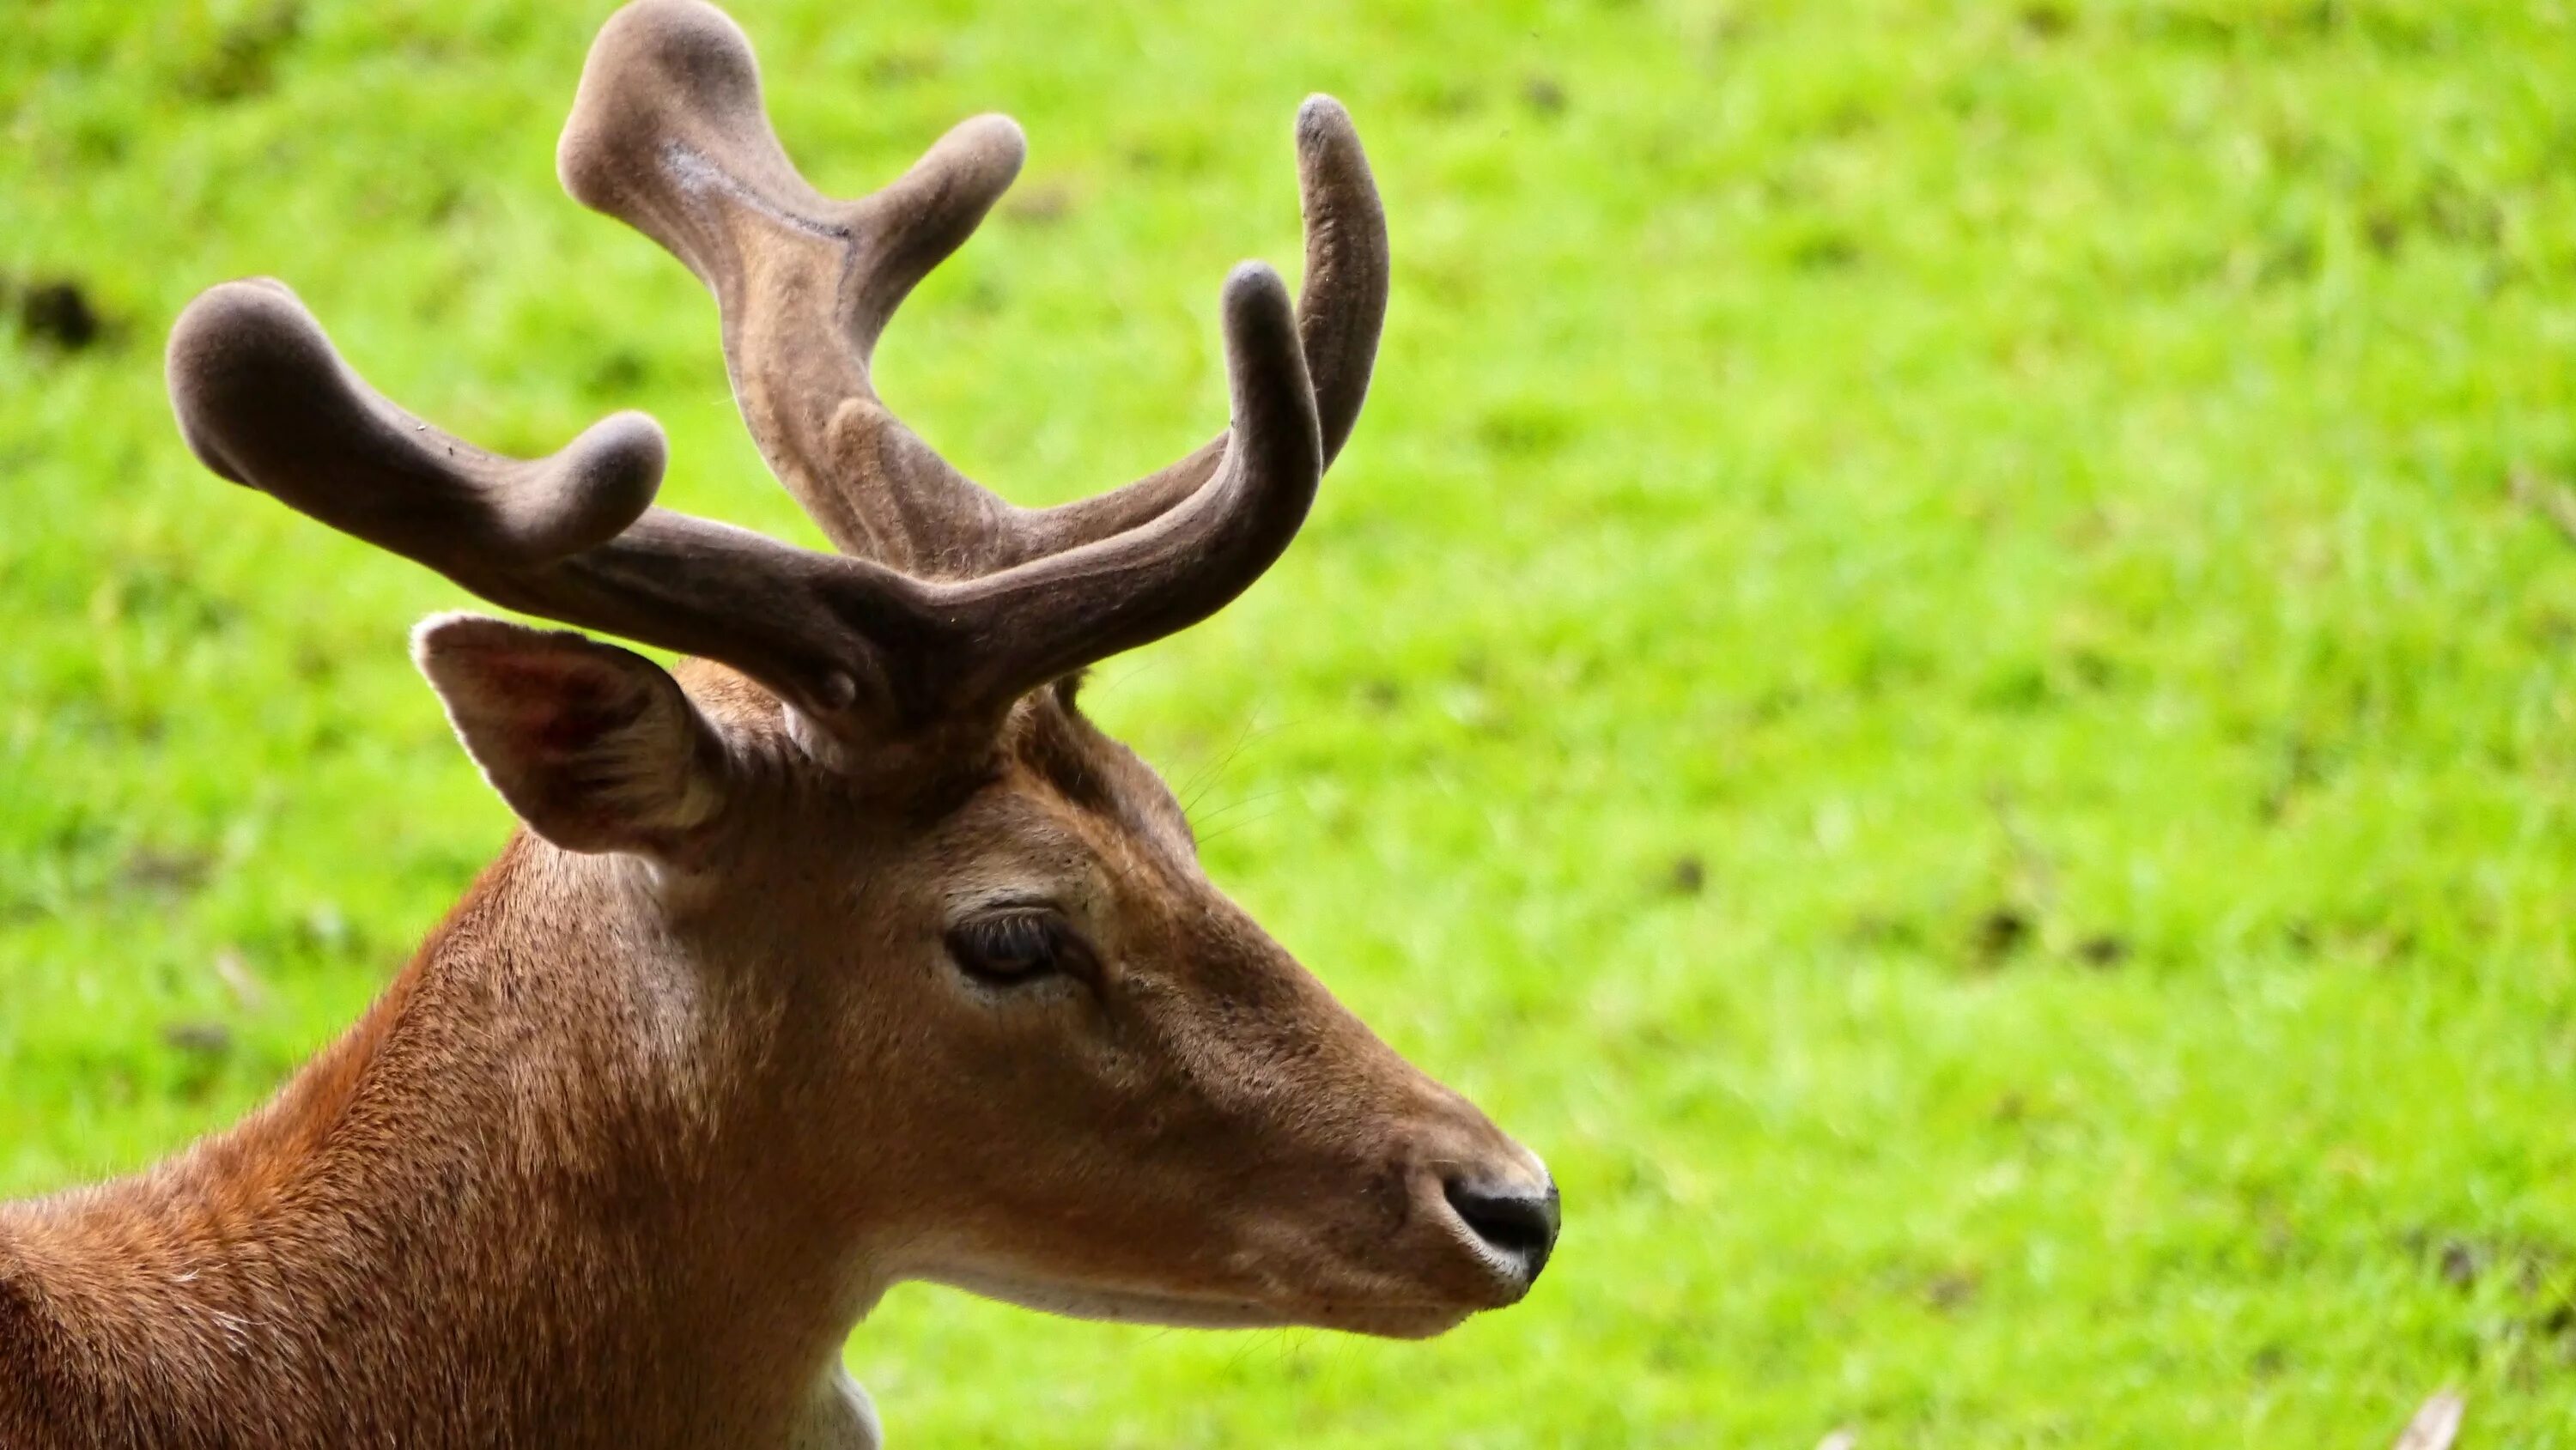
[(1236, 805), (1236, 826)]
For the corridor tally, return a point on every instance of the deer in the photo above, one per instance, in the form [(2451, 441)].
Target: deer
[(845, 952)]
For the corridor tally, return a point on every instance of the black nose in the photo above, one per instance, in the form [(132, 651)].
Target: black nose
[(1517, 1224)]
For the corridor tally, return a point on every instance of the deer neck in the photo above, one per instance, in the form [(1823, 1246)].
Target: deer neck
[(535, 1153)]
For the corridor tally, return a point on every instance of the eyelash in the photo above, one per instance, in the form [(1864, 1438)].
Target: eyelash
[(1011, 947)]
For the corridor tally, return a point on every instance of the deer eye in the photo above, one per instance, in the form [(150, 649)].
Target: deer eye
[(1014, 946)]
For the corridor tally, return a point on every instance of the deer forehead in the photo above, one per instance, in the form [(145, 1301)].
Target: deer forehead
[(1048, 801)]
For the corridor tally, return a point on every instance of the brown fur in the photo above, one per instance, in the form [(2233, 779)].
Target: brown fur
[(623, 1152)]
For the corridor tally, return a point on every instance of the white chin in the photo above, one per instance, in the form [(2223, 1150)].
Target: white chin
[(1119, 1306), (1128, 1306)]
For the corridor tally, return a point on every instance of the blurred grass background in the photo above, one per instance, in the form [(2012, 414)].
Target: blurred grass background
[(1940, 665)]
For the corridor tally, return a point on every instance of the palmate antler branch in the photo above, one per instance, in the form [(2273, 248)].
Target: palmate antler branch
[(955, 602)]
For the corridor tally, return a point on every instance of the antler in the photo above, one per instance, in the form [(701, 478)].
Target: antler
[(669, 135), (264, 399)]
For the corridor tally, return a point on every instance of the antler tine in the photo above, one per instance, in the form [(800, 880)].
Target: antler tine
[(1041, 619), (668, 134), (264, 400), (1341, 308)]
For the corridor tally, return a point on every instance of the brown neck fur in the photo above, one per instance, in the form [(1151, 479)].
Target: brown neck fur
[(489, 1214)]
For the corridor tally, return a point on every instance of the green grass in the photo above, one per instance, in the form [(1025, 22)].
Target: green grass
[(1927, 669)]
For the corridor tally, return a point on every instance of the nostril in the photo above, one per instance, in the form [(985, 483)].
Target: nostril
[(1516, 1223)]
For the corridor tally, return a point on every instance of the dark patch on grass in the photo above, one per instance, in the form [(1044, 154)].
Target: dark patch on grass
[(1043, 204), (2224, 24), (444, 203), (2459, 1265), (1888, 663), (99, 140), (1544, 95), (2459, 214), (1888, 932), (2527, 1266), (204, 1046), (1181, 155), (55, 311), (320, 933), (2286, 260), (902, 67), (2369, 942), (2442, 209), (148, 590), (2093, 670), (620, 371), (1688, 876), (1825, 250), (1527, 429), (1775, 704), (2546, 628), (2045, 19), (1851, 117), (2015, 690), (2534, 1279), (1950, 1291), (244, 60), (2103, 950), (1446, 99), (60, 313), (2382, 230), (313, 664), (2000, 935), (199, 1038), (164, 872), (2302, 769), (20, 908)]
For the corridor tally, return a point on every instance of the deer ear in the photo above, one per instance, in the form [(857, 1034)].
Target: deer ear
[(597, 748)]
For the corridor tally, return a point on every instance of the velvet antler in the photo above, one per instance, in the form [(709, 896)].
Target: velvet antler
[(956, 602)]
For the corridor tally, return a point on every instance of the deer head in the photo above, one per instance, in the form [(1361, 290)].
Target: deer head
[(997, 1026)]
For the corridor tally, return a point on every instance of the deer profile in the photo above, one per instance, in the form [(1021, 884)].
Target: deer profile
[(846, 953)]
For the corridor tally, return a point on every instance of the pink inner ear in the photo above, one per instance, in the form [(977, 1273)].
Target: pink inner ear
[(556, 703), (592, 745)]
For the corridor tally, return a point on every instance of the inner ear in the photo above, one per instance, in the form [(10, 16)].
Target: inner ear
[(597, 748)]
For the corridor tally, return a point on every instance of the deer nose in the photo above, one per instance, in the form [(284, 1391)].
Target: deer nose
[(1514, 1221)]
